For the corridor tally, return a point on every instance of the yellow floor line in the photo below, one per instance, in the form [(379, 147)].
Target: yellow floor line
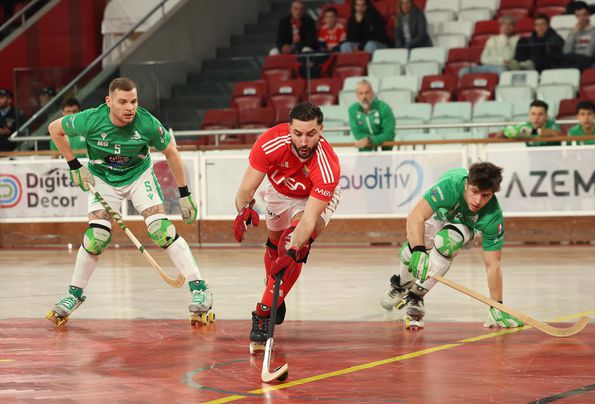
[(386, 361), (6, 360)]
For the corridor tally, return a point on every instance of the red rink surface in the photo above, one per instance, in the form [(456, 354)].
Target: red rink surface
[(166, 361)]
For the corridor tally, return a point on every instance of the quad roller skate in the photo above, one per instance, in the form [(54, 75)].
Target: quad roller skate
[(201, 305), (393, 298), (414, 311), (259, 333), (61, 311)]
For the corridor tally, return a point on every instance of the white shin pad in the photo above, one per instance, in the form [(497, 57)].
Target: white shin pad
[(180, 254), (83, 268)]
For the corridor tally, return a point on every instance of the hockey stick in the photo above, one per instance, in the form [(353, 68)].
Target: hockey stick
[(543, 327), (176, 283), (281, 372)]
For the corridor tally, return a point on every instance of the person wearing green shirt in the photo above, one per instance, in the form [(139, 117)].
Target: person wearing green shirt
[(372, 121), (72, 106), (444, 221), (119, 134), (538, 125), (585, 113)]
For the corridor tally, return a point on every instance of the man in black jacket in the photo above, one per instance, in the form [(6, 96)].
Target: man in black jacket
[(542, 50), (296, 32), (9, 119)]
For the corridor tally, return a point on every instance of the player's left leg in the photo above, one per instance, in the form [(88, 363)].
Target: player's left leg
[(147, 198)]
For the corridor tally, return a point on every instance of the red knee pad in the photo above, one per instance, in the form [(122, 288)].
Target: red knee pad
[(270, 255), (289, 278)]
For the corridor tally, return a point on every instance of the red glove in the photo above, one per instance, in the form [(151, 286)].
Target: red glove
[(246, 217), (285, 262)]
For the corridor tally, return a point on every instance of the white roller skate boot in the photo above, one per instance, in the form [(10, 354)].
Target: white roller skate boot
[(393, 298), (414, 311), (202, 303), (69, 303)]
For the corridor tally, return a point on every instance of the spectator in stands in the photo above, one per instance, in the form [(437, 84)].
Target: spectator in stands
[(498, 51), (366, 29), (332, 32), (46, 95), (579, 47), (542, 50), (371, 120), (72, 106), (9, 120), (411, 27), (585, 113), (538, 125), (296, 32)]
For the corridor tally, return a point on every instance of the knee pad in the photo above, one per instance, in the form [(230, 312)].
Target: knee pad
[(162, 232), (448, 241), (439, 265), (97, 237)]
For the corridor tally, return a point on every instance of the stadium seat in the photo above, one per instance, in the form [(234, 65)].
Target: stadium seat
[(464, 28), (475, 87), (384, 69), (396, 97), (561, 76), (248, 94), (448, 41), (451, 112), (282, 115), (462, 57), (285, 93), (248, 119), (351, 64), (554, 93), (412, 114), (513, 93), (422, 69), (524, 27), (588, 80), (550, 8), (279, 67), (490, 111), (475, 14), (563, 22), (324, 91), (516, 8), (437, 88), (429, 54), (567, 110), (528, 78), (483, 31), (220, 119), (491, 5), (441, 5), (411, 83), (520, 110), (388, 62), (335, 115), (439, 16)]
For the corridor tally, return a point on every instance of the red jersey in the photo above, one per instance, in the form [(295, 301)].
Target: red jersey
[(332, 38), (318, 176)]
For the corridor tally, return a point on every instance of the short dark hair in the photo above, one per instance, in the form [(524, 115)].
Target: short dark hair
[(542, 16), (539, 104), (485, 176), (585, 104), (306, 111), (331, 10), (580, 5), (71, 102), (121, 83)]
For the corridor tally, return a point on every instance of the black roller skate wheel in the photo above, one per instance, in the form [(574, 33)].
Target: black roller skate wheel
[(284, 376)]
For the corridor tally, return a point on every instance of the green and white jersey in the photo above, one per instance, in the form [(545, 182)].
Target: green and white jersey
[(447, 199), (577, 130), (117, 155)]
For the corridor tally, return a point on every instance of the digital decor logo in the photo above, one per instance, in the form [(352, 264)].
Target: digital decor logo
[(11, 191)]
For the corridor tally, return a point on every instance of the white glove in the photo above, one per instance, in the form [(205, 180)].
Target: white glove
[(188, 209), (80, 175)]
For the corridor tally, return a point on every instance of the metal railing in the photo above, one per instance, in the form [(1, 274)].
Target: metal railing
[(21, 14), (53, 102)]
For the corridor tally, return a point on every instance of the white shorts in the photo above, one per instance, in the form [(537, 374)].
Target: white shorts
[(144, 193), (280, 209), (433, 226)]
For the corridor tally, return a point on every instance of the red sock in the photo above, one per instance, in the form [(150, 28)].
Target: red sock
[(264, 307), (270, 255)]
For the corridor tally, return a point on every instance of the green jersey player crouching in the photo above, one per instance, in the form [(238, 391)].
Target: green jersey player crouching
[(443, 223), (118, 137)]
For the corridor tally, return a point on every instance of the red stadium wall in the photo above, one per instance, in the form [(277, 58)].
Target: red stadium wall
[(69, 35)]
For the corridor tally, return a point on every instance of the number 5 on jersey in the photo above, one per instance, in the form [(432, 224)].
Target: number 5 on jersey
[(117, 149)]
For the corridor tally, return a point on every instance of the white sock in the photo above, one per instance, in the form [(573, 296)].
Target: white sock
[(83, 268), (179, 252)]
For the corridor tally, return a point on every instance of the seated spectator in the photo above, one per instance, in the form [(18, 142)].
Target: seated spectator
[(371, 120), (585, 113), (580, 43), (498, 51), (332, 32), (9, 120), (542, 50), (46, 95), (72, 106), (296, 32), (538, 125), (411, 27), (366, 29)]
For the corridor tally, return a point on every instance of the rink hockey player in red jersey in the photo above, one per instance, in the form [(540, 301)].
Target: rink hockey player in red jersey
[(302, 194)]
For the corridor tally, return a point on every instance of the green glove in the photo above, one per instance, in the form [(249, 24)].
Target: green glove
[(500, 319), (187, 206), (419, 264), (80, 175)]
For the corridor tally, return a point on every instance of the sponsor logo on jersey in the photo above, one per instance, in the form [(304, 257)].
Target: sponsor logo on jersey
[(291, 183), (306, 171), (436, 193), (117, 161), (11, 190), (500, 229), (103, 135), (101, 143), (285, 164), (136, 136), (323, 192)]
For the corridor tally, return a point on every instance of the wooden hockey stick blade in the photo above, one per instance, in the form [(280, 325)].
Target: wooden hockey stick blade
[(266, 375), (543, 327), (176, 283)]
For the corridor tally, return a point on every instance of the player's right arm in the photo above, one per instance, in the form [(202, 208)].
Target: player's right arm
[(60, 139), (250, 183)]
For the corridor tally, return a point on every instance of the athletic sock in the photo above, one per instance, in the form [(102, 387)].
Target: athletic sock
[(83, 268)]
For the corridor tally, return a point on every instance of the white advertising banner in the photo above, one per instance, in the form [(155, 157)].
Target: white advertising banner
[(373, 184), (546, 180), (40, 190)]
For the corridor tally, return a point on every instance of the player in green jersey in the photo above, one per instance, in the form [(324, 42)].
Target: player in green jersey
[(72, 106), (538, 125), (444, 222), (585, 113), (118, 137)]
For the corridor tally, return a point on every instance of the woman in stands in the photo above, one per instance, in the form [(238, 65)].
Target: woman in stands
[(411, 28)]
